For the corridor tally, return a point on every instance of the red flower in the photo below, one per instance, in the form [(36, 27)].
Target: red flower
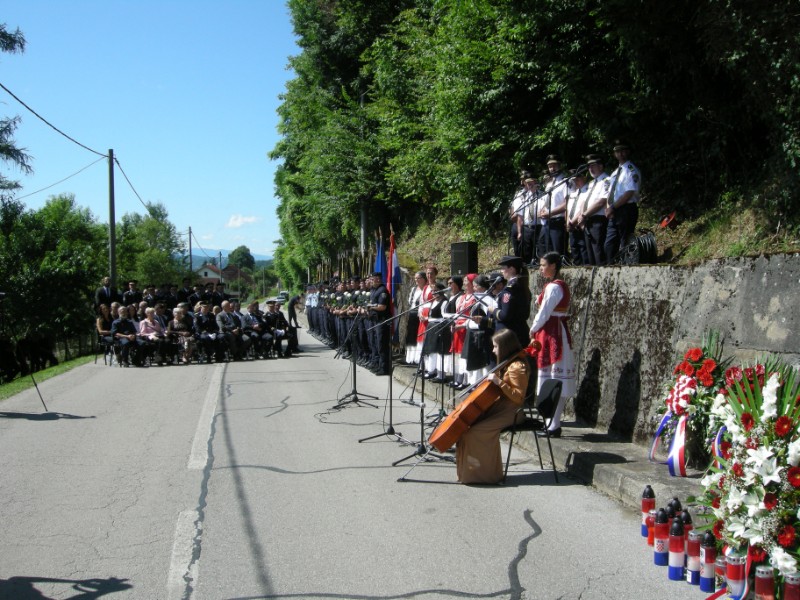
[(757, 554), (724, 392), (706, 380), (721, 483), (718, 527), (725, 450), (693, 354), (747, 421), (786, 536), (737, 469), (794, 476), (733, 374), (715, 502), (751, 443), (709, 365), (770, 501), (783, 426)]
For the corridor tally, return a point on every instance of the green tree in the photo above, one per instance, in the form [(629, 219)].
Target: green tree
[(12, 42), (149, 247), (242, 258), (64, 259)]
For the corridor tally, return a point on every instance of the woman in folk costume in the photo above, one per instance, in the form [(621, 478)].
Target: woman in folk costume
[(437, 337), (464, 304), (450, 312), (425, 310), (555, 359), (477, 343), (478, 458), (413, 348)]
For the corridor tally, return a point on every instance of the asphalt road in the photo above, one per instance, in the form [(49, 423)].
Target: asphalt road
[(243, 481)]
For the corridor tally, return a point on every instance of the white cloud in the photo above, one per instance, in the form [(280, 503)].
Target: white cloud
[(237, 221)]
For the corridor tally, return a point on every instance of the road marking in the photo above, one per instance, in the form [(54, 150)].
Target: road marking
[(199, 456), (182, 576)]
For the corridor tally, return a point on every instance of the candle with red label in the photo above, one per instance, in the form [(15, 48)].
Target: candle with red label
[(651, 527), (661, 539), (735, 575), (765, 583), (708, 558), (677, 547), (648, 504), (693, 557), (791, 586)]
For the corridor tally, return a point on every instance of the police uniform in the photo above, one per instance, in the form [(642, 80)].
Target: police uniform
[(380, 335), (575, 200), (595, 222), (555, 197), (622, 218), (513, 305)]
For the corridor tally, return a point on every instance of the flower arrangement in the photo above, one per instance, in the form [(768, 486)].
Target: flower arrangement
[(685, 415), (753, 487)]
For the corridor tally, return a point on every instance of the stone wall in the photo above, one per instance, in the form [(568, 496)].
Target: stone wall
[(630, 325)]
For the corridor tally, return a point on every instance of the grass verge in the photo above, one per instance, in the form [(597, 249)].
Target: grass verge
[(20, 384)]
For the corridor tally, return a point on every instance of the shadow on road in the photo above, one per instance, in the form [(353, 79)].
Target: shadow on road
[(24, 588), (48, 416)]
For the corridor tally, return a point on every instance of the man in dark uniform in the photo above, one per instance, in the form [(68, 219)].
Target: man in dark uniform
[(185, 291), (379, 313), (132, 295), (292, 308), (513, 301)]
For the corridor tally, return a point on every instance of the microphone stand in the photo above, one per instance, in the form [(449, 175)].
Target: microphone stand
[(353, 395)]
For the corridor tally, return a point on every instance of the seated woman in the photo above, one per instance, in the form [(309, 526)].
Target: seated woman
[(181, 330), (152, 333), (478, 457), (103, 324)]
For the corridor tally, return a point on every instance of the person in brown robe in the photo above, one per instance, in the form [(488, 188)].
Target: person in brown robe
[(478, 457)]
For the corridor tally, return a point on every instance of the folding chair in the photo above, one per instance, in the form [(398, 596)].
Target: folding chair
[(536, 413)]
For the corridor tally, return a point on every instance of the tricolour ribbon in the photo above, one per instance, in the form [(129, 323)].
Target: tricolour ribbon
[(676, 460), (657, 437), (716, 444)]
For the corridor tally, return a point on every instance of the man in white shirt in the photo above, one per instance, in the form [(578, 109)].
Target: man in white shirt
[(576, 198), (593, 213), (552, 208), (622, 201)]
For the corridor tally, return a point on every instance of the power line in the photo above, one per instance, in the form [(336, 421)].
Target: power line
[(63, 180), (133, 188), (199, 246), (41, 118)]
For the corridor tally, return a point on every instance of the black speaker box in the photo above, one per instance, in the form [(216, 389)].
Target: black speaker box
[(463, 258)]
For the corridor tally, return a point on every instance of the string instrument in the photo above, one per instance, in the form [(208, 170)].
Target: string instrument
[(479, 399)]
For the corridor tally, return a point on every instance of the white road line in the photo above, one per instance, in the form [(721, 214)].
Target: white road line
[(199, 456), (182, 571)]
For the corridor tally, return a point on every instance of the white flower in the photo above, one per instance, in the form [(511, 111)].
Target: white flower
[(735, 498), (794, 453), (769, 471), (782, 561), (720, 408), (757, 456), (711, 480), (769, 408), (736, 526), (752, 502), (732, 423)]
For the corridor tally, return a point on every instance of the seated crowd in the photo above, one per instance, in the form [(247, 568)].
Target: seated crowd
[(140, 333)]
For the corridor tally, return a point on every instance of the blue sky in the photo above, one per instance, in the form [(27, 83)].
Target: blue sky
[(184, 92)]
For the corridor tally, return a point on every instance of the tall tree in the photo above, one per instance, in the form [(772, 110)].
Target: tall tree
[(242, 258), (149, 247), (12, 42)]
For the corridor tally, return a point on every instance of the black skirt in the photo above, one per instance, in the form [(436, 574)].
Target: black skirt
[(412, 325), (437, 339), (474, 351)]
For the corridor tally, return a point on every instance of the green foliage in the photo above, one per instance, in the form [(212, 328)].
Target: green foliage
[(427, 108), (242, 258), (63, 248), (148, 247)]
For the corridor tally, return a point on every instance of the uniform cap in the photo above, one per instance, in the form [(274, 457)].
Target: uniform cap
[(553, 158), (511, 261), (592, 159)]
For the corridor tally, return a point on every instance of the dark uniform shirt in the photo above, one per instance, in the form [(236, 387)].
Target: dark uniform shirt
[(513, 310)]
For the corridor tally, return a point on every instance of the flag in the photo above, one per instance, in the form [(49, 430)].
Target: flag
[(380, 258), (393, 282)]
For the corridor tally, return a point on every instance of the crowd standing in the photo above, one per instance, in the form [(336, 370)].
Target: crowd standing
[(586, 215)]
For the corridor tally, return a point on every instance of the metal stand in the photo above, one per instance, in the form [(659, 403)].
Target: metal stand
[(353, 397), (390, 429)]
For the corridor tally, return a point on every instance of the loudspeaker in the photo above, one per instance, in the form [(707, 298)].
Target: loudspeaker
[(463, 258)]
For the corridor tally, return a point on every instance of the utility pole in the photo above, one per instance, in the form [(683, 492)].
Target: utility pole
[(112, 225), (191, 263)]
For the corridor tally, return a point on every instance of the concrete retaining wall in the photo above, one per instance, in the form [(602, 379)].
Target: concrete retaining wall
[(630, 325)]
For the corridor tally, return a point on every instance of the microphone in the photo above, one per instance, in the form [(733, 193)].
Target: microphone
[(580, 170), (497, 280)]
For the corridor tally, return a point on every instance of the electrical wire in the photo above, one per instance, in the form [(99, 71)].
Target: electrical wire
[(199, 246), (63, 180), (46, 122), (121, 170)]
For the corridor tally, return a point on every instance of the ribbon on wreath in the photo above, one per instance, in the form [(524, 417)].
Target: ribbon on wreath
[(676, 458), (716, 446)]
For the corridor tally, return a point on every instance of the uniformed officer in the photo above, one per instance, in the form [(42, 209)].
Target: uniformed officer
[(380, 313), (514, 301), (622, 201), (552, 209), (516, 215), (592, 214)]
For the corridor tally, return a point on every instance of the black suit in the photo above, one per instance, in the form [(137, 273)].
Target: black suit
[(105, 295)]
